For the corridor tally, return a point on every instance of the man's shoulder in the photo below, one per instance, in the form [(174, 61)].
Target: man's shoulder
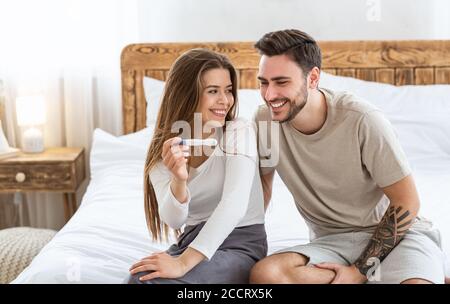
[(346, 101)]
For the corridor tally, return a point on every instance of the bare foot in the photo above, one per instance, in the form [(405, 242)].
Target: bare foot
[(447, 280)]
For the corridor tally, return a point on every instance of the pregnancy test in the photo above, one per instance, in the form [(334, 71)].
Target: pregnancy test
[(199, 142)]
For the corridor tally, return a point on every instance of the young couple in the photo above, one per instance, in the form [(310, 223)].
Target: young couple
[(338, 156)]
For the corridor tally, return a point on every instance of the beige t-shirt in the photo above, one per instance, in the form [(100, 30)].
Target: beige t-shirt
[(335, 174)]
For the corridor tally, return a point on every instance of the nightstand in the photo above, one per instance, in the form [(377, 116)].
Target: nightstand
[(54, 170)]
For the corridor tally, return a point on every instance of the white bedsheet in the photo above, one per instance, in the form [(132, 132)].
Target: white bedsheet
[(108, 232)]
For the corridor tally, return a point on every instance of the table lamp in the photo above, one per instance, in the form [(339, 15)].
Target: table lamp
[(30, 112)]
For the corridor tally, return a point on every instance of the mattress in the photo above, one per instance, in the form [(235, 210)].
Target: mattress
[(108, 232)]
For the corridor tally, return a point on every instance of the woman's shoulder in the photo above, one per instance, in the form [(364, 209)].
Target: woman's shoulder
[(240, 137)]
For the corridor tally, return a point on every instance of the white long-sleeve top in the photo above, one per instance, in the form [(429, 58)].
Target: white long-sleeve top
[(225, 190)]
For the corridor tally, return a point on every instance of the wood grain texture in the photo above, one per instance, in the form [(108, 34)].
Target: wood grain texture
[(442, 75), (54, 170), (385, 54), (404, 76), (346, 72), (56, 177), (141, 107), (129, 114), (366, 74), (79, 170), (385, 75), (157, 74), (424, 76), (160, 56), (248, 79), (394, 62), (330, 71)]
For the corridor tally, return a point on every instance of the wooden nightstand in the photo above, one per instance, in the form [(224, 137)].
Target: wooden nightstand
[(55, 170)]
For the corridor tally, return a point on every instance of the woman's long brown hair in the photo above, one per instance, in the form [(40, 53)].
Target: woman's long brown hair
[(180, 100)]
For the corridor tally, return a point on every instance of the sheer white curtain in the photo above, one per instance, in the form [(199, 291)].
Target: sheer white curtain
[(69, 51)]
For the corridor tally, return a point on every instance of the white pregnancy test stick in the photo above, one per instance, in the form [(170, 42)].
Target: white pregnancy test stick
[(199, 142)]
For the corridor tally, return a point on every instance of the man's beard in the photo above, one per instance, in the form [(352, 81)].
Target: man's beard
[(295, 107)]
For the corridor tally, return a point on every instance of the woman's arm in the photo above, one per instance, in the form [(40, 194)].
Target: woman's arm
[(169, 180), (239, 174), (240, 170), (162, 265), (179, 190)]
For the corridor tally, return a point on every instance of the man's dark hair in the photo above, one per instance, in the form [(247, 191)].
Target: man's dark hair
[(298, 45)]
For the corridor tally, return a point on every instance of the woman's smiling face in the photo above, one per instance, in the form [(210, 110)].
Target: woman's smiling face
[(216, 97)]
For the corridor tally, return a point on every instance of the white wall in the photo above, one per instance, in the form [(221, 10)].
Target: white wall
[(225, 20)]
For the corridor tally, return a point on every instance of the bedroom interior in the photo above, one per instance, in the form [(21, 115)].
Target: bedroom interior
[(90, 216)]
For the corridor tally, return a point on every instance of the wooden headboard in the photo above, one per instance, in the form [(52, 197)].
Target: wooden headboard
[(394, 62)]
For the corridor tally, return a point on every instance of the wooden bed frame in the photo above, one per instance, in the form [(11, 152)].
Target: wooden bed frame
[(394, 62)]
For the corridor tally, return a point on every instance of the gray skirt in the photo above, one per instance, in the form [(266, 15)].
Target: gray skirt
[(230, 264)]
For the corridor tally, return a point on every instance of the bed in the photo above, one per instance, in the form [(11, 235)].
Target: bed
[(409, 80)]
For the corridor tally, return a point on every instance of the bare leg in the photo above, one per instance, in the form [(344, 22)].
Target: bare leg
[(416, 281), (447, 280), (288, 268)]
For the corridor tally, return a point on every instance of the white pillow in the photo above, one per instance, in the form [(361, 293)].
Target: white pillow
[(153, 89), (108, 150), (419, 114), (249, 101)]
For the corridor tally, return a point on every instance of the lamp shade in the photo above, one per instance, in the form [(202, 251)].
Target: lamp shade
[(30, 110)]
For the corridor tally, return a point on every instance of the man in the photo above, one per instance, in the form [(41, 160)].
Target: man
[(349, 177)]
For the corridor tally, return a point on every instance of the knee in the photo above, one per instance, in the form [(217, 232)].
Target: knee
[(266, 272), (134, 278), (416, 281)]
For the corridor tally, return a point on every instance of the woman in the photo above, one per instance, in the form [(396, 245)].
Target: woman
[(216, 193)]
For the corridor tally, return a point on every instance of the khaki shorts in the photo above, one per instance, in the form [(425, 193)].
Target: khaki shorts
[(417, 256)]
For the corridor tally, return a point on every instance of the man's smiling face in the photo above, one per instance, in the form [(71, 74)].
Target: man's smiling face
[(283, 86)]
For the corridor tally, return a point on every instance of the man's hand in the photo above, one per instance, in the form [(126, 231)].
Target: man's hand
[(344, 274), (161, 265)]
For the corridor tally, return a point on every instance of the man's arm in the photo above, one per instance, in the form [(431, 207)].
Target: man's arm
[(395, 223), (267, 183), (392, 228)]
